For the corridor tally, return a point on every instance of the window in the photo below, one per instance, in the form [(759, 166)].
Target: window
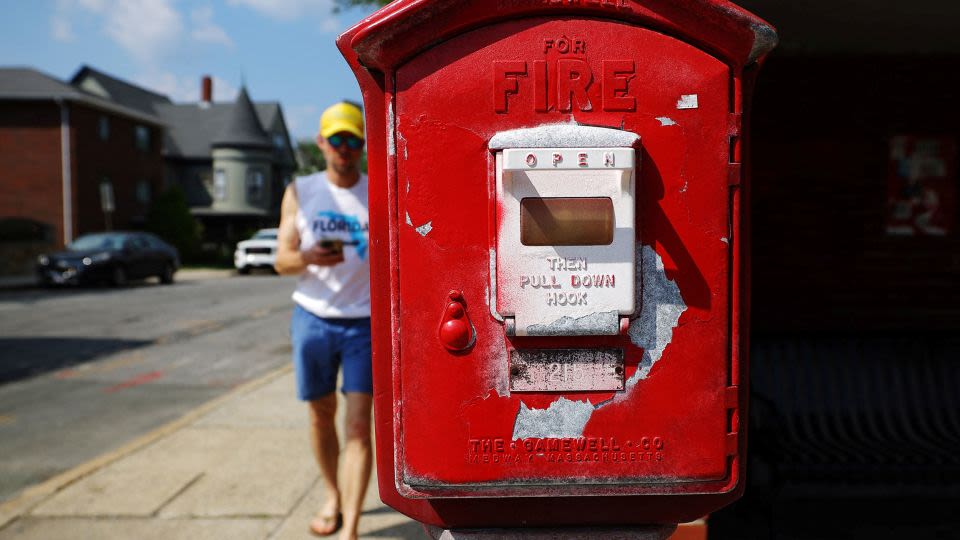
[(255, 186), (205, 178), (141, 136), (136, 243), (219, 185), (143, 191), (153, 241), (566, 221), (265, 234), (106, 195), (103, 127), (25, 230)]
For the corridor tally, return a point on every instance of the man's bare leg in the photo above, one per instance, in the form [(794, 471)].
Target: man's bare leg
[(326, 449), (357, 461)]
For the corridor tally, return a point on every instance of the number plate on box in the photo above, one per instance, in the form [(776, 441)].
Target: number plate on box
[(566, 370)]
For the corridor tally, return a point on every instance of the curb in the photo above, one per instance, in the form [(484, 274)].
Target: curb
[(18, 282), (36, 494), (198, 274), (29, 281)]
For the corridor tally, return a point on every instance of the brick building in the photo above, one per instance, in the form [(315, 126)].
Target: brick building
[(68, 150), (231, 159), (62, 149)]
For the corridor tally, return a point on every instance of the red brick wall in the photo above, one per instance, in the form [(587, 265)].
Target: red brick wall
[(31, 175), (118, 159), (30, 170)]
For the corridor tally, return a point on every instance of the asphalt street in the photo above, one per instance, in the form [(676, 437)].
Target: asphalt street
[(84, 370)]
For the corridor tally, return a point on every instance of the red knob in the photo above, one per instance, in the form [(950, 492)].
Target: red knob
[(456, 332), (454, 310)]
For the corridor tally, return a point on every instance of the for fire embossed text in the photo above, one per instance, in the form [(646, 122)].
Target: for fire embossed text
[(564, 80)]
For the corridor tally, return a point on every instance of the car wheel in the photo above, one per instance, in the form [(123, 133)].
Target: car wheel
[(119, 276), (243, 270), (166, 277)]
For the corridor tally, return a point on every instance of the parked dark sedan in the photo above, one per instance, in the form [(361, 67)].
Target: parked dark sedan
[(113, 257)]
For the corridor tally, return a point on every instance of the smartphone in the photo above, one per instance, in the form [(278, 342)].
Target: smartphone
[(334, 245)]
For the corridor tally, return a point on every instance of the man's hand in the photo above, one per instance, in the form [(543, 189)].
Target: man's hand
[(321, 256), (291, 260)]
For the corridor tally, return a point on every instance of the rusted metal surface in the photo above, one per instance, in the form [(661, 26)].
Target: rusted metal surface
[(605, 323), (563, 136), (566, 370)]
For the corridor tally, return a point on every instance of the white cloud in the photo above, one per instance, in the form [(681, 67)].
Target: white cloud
[(223, 90), (96, 6), (205, 30), (147, 29), (288, 10), (331, 25), (61, 22), (302, 120), (61, 29), (169, 84), (185, 89)]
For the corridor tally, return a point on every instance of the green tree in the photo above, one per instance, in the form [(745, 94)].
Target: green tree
[(309, 157), (169, 218)]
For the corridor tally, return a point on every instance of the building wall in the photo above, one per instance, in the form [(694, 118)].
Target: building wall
[(31, 181), (823, 262), (117, 158), (236, 164), (284, 163), (195, 177)]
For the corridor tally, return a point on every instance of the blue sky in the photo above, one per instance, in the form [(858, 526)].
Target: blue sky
[(283, 49)]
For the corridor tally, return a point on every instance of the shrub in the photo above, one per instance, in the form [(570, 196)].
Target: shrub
[(169, 218)]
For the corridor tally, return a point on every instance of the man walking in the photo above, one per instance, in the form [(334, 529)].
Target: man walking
[(323, 237)]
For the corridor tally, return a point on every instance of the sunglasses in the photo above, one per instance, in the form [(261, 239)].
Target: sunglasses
[(353, 142)]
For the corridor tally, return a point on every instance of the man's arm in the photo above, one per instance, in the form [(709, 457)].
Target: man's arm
[(290, 260)]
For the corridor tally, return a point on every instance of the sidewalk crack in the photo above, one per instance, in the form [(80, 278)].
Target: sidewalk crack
[(179, 492), (276, 530)]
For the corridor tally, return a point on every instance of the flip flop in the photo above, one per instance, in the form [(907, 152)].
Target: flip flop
[(321, 525)]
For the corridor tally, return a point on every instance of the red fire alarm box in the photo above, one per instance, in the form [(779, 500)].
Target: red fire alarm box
[(558, 256)]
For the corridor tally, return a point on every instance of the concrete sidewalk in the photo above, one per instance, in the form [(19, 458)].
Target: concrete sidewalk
[(238, 467)]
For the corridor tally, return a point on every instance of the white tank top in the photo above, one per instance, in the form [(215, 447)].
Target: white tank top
[(328, 212)]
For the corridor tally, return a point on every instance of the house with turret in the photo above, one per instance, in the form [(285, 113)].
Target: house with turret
[(69, 144), (232, 159)]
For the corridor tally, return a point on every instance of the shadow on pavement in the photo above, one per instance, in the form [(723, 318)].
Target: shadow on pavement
[(21, 358), (407, 531)]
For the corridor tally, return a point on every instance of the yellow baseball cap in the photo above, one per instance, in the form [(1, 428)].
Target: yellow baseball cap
[(342, 116)]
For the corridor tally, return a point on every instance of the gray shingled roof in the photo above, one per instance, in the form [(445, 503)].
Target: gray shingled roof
[(27, 84), (243, 129), (191, 128), (121, 91)]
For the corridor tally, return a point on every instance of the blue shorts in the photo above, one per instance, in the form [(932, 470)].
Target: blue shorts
[(320, 346)]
